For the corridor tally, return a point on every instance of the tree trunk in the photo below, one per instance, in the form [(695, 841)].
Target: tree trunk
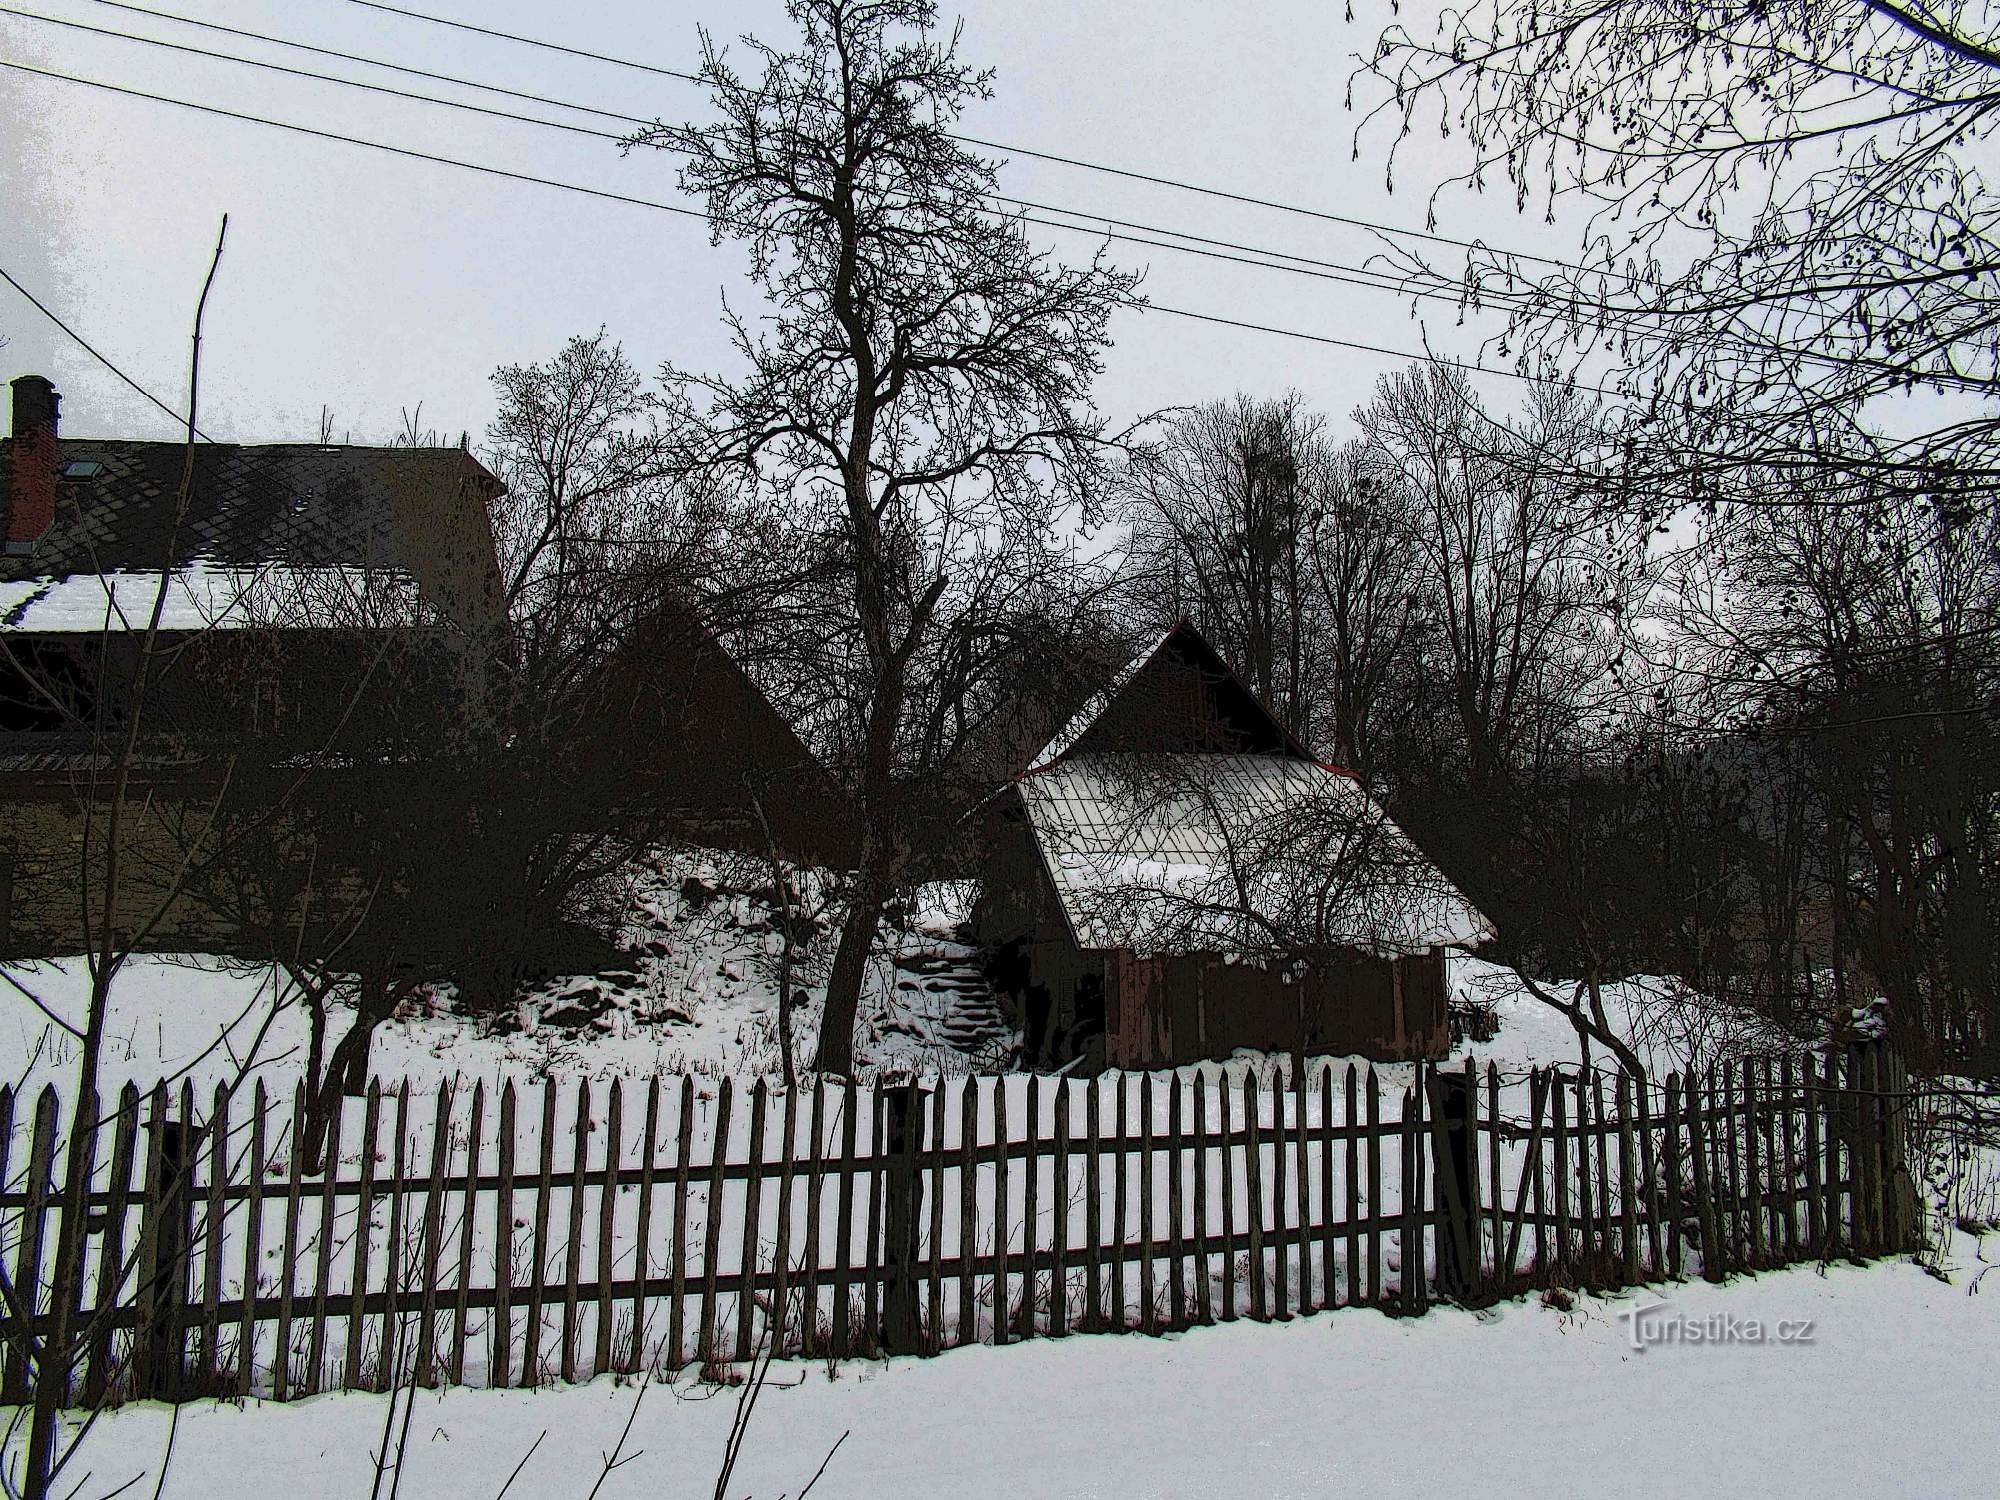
[(850, 968)]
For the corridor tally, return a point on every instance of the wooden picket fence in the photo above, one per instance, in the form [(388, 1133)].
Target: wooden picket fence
[(565, 1231)]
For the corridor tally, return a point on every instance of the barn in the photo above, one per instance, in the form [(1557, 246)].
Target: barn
[(1176, 877)]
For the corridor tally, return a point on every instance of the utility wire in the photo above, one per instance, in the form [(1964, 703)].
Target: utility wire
[(88, 348), (1124, 230), (671, 208), (1049, 156), (351, 140), (1399, 284)]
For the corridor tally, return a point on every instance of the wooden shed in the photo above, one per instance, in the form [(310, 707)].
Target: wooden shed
[(1177, 877)]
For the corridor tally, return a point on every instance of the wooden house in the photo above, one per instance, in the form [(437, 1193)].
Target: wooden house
[(309, 590), (1177, 877)]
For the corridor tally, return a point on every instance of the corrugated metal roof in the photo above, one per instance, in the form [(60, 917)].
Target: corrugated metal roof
[(1254, 856)]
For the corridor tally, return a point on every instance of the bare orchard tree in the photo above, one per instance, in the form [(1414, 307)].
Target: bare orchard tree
[(1785, 225), (1222, 506), (915, 397)]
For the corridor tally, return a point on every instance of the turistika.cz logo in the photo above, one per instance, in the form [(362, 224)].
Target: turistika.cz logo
[(1657, 1323)]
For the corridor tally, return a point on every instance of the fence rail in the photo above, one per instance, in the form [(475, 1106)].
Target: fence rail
[(511, 1237)]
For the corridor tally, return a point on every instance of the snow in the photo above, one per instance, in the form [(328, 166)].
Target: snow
[(1177, 853), (201, 596), (698, 996), (1889, 1397), (1524, 1399)]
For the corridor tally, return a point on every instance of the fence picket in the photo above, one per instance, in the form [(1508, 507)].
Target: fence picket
[(316, 1372), (642, 1242), (502, 1322), (937, 1163), (779, 1320), (538, 1270), (364, 1211), (1302, 1186), (809, 1261), (711, 1208), (753, 1192), (111, 1269), (1374, 1092), (1003, 1312), (1253, 1181), (1030, 1218), (872, 1258), (1204, 1289), (33, 1228), (1148, 1322), (683, 1161), (573, 1240), (968, 1208), (1059, 1238), (1116, 1244), (1176, 1246), (607, 1230), (475, 1135), (427, 1311), (1670, 1171), (844, 1220)]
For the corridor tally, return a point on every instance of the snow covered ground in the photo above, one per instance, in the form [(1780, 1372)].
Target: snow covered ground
[(1892, 1394), (697, 995)]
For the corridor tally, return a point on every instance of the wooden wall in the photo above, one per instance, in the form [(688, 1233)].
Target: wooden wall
[(1167, 1011)]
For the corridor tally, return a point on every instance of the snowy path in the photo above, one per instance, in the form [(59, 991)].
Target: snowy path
[(1895, 1395)]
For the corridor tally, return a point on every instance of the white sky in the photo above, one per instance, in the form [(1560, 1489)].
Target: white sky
[(368, 283)]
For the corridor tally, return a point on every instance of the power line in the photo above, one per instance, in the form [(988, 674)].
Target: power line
[(352, 140), (1399, 285), (369, 62), (90, 349), (1124, 230), (652, 203), (969, 140)]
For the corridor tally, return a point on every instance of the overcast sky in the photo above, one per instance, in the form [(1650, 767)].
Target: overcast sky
[(367, 283)]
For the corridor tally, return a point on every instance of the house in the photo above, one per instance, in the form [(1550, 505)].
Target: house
[(1177, 877), (266, 606), (327, 604)]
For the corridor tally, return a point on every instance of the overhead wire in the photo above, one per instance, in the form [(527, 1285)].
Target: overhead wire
[(95, 353), (634, 200)]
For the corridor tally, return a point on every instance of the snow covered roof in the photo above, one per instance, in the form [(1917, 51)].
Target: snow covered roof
[(1244, 855), (203, 596), (263, 523)]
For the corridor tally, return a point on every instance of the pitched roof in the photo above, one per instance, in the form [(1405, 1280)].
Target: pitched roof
[(1175, 814), (1178, 694), (294, 507), (1246, 855)]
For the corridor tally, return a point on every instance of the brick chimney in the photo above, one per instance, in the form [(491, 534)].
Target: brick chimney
[(31, 464)]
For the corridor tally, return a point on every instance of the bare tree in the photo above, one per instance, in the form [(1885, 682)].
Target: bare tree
[(1222, 506), (915, 397), (1786, 227), (1518, 605)]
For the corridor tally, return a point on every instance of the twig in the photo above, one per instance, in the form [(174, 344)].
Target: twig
[(612, 1460), (521, 1465)]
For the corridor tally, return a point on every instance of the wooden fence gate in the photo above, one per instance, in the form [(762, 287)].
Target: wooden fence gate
[(511, 1238)]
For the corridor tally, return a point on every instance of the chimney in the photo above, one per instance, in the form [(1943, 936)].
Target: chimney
[(31, 464)]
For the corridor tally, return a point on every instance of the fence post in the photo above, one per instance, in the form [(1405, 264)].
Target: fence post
[(1906, 1220), (167, 1227), (1452, 1158), (901, 1214)]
